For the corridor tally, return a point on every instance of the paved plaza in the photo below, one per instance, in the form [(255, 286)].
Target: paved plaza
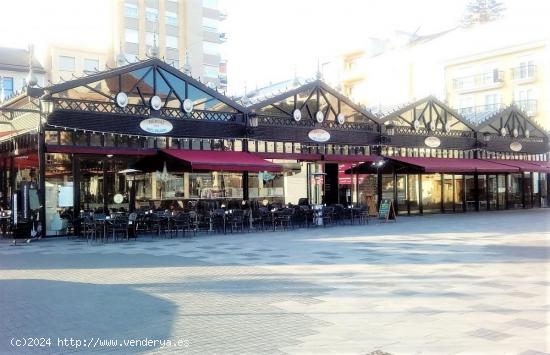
[(474, 283)]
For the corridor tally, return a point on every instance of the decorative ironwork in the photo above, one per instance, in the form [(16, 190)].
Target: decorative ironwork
[(288, 122), (139, 110), (426, 132)]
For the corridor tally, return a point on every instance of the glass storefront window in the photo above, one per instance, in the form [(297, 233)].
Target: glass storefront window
[(492, 191), (482, 190), (501, 180), (459, 193), (448, 193), (514, 191), (536, 190), (414, 193), (401, 189), (470, 193), (528, 189), (431, 193), (267, 186), (59, 193), (543, 190)]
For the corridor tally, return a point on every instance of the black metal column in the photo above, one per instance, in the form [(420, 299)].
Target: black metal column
[(42, 175), (420, 195), (245, 186), (104, 186), (523, 189)]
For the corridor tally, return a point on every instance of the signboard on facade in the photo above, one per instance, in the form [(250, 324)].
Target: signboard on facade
[(319, 135), (156, 125), (515, 146), (432, 142)]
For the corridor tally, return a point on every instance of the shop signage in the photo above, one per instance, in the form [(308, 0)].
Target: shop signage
[(516, 146), (319, 135), (156, 125), (118, 198), (432, 142)]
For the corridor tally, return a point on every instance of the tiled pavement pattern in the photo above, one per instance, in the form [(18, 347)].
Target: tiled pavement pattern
[(460, 284)]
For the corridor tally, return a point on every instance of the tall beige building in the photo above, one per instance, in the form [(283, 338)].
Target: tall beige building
[(185, 33), (482, 83)]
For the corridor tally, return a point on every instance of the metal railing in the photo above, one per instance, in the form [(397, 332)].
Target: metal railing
[(527, 106), (524, 72), (479, 80), (477, 114)]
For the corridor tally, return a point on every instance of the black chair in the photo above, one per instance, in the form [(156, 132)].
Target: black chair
[(235, 220), (117, 227), (283, 218)]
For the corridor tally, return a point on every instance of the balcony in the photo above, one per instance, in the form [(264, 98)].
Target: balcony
[(524, 73), (527, 106), (478, 114), (483, 81)]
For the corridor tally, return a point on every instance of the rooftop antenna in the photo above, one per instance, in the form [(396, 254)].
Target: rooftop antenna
[(187, 66), (154, 50), (318, 76), (31, 78)]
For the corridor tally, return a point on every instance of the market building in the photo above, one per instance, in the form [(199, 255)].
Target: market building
[(146, 136)]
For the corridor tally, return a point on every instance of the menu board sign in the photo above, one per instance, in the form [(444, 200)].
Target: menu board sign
[(386, 210)]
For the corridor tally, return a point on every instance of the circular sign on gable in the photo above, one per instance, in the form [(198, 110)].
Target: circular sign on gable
[(187, 105), (121, 99), (156, 125), (297, 114), (319, 135), (432, 142), (319, 116), (516, 146), (156, 103)]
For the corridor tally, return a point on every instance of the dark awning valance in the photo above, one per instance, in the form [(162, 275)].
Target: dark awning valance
[(212, 160), (525, 165), (432, 165)]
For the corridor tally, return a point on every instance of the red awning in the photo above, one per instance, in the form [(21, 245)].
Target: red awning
[(222, 161), (524, 165), (453, 165)]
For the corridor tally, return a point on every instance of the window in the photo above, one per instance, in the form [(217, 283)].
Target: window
[(171, 18), (172, 42), (210, 71), (150, 38), (131, 10), (211, 4), (210, 24), (492, 102), (131, 36), (151, 14), (91, 64), (7, 87), (211, 48), (66, 63)]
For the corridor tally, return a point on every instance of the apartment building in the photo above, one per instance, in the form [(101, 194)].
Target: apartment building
[(186, 34), (14, 68), (482, 83), (477, 70), (67, 62)]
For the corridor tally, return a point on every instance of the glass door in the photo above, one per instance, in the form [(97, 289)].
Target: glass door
[(413, 193), (482, 191), (448, 193), (470, 192), (514, 191), (528, 189), (401, 187), (536, 190), (431, 193), (459, 193), (501, 192), (492, 191)]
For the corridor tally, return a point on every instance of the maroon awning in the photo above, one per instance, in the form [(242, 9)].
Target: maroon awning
[(453, 165), (524, 165), (221, 160)]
